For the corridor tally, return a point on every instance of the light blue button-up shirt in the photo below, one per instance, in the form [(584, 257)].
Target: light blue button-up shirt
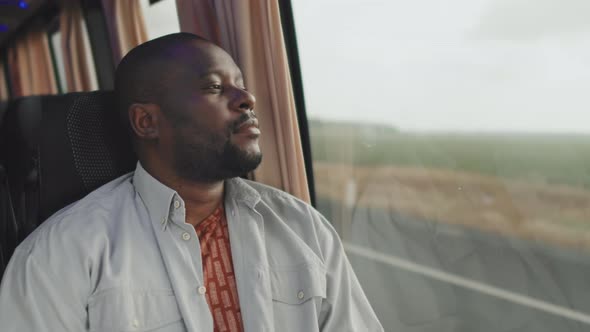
[(124, 259)]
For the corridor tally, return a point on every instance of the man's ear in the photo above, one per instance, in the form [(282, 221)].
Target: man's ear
[(144, 120)]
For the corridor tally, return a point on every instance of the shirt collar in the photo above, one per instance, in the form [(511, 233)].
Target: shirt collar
[(240, 190), (158, 197)]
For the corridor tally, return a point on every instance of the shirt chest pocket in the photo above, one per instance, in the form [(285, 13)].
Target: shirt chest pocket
[(122, 310), (297, 295)]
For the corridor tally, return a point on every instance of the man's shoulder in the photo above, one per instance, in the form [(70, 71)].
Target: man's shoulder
[(291, 220), (85, 216), (99, 202), (273, 195), (293, 209)]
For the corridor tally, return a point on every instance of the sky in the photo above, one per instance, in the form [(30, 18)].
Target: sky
[(455, 65), (160, 18), (431, 65)]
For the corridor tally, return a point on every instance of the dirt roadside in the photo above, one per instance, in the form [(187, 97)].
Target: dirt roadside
[(546, 213)]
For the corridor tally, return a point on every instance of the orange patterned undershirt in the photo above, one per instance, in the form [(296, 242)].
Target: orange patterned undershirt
[(218, 272)]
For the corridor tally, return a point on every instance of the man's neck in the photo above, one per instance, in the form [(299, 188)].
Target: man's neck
[(200, 198)]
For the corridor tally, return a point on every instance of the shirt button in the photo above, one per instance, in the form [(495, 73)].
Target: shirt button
[(202, 290), (186, 236), (135, 323), (176, 204), (300, 295)]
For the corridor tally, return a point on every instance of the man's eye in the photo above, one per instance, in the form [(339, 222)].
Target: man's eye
[(213, 88)]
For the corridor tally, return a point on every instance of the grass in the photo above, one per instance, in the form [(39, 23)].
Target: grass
[(559, 159), (535, 187)]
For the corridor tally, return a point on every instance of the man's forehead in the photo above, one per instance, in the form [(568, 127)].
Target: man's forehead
[(204, 59)]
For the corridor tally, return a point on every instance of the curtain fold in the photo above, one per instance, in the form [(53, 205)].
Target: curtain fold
[(78, 63), (31, 69), (251, 32), (126, 26), (13, 74)]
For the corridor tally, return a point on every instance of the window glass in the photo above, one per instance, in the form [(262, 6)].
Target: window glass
[(160, 18), (55, 41), (4, 93), (89, 57), (451, 150)]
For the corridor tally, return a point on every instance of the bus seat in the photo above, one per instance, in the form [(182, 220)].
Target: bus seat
[(56, 150), (8, 234)]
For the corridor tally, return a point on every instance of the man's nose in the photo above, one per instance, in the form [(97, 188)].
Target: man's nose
[(244, 101)]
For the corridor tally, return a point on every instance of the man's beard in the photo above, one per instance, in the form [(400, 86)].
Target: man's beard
[(206, 161)]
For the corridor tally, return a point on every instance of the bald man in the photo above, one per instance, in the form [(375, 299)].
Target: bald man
[(183, 243)]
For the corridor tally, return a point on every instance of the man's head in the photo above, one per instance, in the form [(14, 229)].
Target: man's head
[(187, 107)]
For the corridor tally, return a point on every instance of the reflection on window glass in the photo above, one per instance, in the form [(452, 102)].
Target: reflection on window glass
[(160, 18), (451, 150)]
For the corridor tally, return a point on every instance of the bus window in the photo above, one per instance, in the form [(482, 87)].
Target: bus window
[(4, 93), (160, 17), (55, 44), (79, 58), (451, 150)]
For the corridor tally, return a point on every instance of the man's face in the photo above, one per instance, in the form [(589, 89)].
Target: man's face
[(213, 133)]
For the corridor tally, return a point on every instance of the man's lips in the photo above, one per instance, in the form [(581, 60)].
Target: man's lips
[(249, 126)]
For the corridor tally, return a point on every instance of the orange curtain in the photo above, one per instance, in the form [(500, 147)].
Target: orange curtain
[(251, 32), (126, 25), (3, 86), (31, 69), (75, 46)]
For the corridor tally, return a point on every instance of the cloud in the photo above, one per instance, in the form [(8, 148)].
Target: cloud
[(531, 19)]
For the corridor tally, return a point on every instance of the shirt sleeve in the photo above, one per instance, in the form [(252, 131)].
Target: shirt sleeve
[(35, 297), (346, 307)]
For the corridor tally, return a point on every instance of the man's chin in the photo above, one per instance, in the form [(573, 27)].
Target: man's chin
[(239, 161), (249, 162)]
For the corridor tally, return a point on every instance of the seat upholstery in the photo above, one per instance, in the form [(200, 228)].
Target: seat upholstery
[(8, 236), (57, 149)]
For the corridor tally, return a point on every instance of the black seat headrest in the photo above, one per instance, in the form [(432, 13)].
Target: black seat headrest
[(62, 147)]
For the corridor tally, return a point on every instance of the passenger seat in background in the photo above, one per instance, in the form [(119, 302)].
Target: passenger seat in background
[(7, 219)]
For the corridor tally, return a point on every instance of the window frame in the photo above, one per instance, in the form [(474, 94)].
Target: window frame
[(290, 38)]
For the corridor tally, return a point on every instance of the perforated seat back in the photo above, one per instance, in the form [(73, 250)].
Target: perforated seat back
[(82, 148), (58, 149)]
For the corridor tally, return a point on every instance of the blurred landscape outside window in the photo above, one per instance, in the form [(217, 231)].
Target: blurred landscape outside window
[(451, 151)]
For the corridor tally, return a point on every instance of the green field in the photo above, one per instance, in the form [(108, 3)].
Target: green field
[(538, 158)]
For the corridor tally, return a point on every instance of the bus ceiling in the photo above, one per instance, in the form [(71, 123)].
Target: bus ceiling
[(14, 15)]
